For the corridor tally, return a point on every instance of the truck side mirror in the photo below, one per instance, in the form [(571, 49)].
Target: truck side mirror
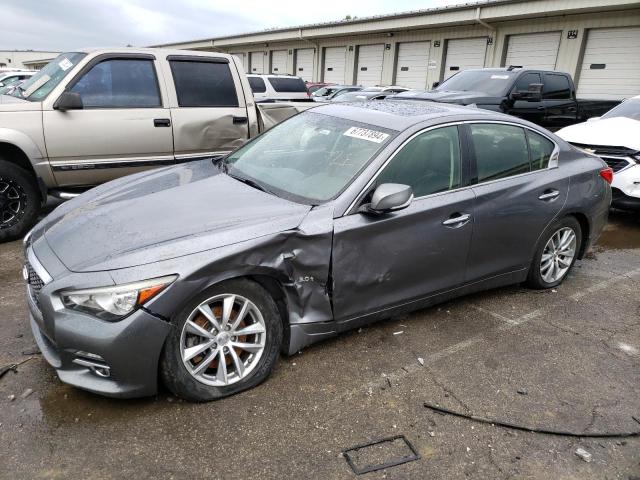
[(435, 84), (534, 94), (69, 101)]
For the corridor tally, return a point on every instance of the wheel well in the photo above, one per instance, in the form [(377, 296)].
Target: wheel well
[(585, 227), (275, 289), (13, 154)]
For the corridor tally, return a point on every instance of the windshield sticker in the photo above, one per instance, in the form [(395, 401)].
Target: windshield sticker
[(324, 132), (499, 77), (65, 64), (38, 83), (366, 134)]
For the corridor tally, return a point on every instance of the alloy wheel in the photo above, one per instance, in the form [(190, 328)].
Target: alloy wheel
[(558, 255), (222, 340), (12, 202)]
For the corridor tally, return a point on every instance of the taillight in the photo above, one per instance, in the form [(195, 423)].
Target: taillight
[(607, 174)]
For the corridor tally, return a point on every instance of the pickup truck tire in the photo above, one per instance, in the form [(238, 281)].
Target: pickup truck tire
[(556, 253), (233, 330), (20, 201)]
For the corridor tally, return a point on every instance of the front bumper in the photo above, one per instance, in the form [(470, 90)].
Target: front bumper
[(123, 356)]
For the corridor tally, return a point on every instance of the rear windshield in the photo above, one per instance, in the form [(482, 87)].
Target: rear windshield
[(281, 84), (257, 85)]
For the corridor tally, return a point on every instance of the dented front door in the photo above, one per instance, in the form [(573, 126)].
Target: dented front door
[(208, 106)]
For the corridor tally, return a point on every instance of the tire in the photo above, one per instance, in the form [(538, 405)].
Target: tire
[(20, 201), (261, 312), (542, 276)]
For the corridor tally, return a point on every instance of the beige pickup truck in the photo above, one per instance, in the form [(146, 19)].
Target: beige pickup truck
[(94, 115)]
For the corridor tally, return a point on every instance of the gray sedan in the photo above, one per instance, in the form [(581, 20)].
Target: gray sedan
[(202, 273)]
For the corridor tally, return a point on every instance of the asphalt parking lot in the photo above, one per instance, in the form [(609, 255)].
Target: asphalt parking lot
[(567, 359)]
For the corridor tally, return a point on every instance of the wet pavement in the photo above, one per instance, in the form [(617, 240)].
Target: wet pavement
[(567, 359)]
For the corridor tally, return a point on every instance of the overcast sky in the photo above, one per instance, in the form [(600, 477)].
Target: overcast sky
[(69, 24)]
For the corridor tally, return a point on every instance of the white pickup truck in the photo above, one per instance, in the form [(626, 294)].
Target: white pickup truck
[(94, 115)]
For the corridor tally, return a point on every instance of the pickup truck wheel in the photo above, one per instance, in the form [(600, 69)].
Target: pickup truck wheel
[(224, 341), (19, 201)]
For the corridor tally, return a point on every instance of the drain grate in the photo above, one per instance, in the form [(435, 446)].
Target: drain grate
[(380, 454)]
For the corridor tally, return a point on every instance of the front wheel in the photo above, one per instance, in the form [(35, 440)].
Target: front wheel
[(20, 201), (556, 254), (224, 341)]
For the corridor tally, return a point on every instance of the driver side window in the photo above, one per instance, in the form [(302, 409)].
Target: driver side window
[(430, 163)]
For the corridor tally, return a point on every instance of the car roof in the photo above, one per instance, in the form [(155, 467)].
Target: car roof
[(401, 114)]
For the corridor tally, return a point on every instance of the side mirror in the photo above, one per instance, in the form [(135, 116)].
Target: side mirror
[(69, 101), (1, 84), (533, 94), (390, 197), (435, 84)]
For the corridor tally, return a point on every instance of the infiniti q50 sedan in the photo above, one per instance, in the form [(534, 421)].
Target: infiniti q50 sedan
[(201, 273)]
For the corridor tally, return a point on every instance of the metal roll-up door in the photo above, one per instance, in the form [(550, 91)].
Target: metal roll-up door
[(370, 59), (335, 59), (279, 61), (463, 54), (256, 59), (304, 64), (534, 50), (611, 64), (412, 65)]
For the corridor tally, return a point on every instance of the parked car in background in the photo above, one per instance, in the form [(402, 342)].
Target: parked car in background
[(201, 274), (547, 98), (11, 78), (388, 89), (328, 93), (95, 115), (271, 87), (614, 137), (362, 96), (313, 86)]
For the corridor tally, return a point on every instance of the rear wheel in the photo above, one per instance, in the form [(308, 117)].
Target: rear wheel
[(225, 341), (19, 201), (556, 254)]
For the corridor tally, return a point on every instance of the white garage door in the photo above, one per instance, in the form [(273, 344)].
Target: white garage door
[(611, 64), (257, 62), (243, 58), (463, 54), (412, 65), (536, 50), (370, 58), (304, 64), (279, 61), (334, 64)]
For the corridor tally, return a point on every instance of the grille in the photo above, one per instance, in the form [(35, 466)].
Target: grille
[(616, 164), (35, 282)]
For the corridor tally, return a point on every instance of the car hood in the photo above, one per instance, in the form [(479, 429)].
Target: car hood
[(449, 96), (614, 132), (163, 214)]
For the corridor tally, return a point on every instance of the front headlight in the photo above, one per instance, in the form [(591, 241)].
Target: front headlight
[(113, 303)]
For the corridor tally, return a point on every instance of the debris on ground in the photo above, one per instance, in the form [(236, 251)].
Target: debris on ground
[(13, 366), (11, 398), (399, 333), (421, 361), (34, 350), (523, 391), (26, 393), (584, 455), (432, 434)]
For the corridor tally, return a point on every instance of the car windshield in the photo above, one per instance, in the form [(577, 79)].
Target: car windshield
[(351, 97), (40, 85), (492, 82), (629, 109), (310, 158)]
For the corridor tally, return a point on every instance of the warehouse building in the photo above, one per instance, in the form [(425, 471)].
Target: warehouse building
[(596, 41), (25, 59)]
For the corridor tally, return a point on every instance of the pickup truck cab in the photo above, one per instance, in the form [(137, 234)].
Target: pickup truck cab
[(91, 116), (547, 98)]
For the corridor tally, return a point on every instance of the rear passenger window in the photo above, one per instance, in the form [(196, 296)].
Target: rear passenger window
[(257, 85), (293, 84), (500, 150), (119, 83), (541, 150), (556, 87), (203, 84), (429, 163)]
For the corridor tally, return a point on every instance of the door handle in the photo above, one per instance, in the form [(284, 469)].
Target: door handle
[(541, 108), (549, 195), (161, 122), (457, 220), (572, 109), (239, 120)]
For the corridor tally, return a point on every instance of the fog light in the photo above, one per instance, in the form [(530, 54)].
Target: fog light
[(95, 363)]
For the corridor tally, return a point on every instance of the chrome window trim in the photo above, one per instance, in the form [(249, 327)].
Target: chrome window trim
[(37, 267), (553, 160)]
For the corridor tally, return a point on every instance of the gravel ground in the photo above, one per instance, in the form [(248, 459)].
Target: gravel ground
[(567, 359)]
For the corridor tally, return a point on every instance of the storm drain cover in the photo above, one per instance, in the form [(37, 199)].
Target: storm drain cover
[(380, 454)]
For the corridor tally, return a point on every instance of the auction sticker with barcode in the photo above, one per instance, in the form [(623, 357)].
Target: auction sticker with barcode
[(366, 134)]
